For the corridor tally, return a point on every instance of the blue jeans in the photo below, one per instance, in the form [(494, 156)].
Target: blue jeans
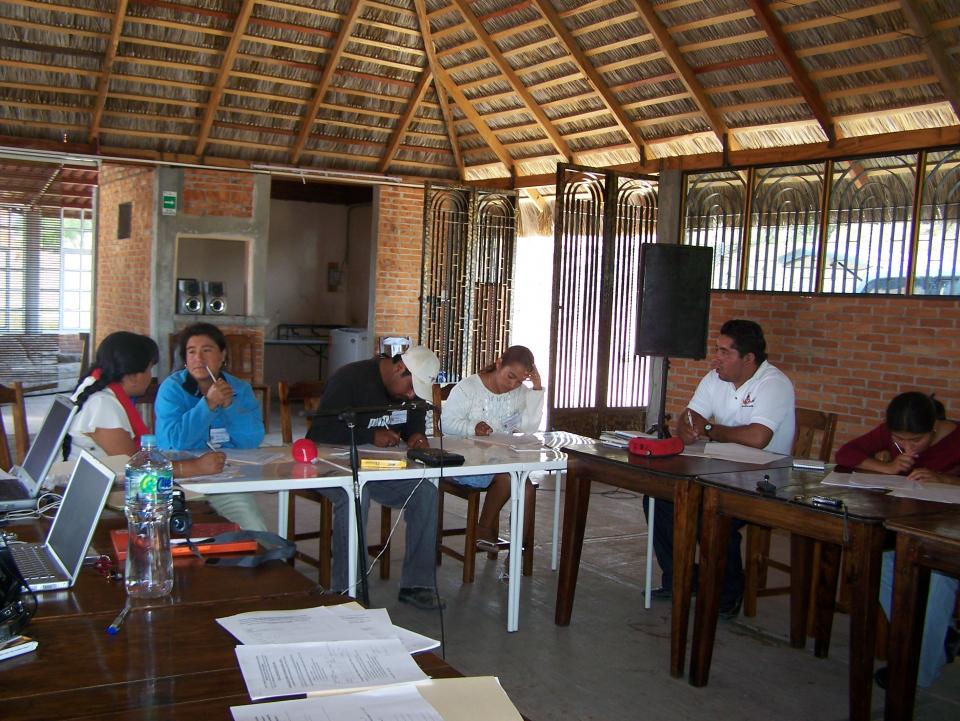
[(940, 603)]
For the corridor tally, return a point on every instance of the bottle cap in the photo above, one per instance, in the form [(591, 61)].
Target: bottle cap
[(148, 440)]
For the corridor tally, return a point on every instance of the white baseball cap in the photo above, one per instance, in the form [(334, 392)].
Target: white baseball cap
[(424, 366)]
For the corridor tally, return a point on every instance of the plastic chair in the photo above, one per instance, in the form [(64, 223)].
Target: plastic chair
[(472, 497), (12, 395), (309, 393), (809, 424), (241, 362)]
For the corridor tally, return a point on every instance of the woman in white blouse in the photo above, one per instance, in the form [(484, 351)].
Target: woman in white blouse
[(496, 400)]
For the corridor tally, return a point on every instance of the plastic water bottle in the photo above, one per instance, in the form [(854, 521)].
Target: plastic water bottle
[(149, 494)]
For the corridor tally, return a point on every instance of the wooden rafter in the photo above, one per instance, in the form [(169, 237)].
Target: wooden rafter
[(513, 79), (226, 65), (346, 30), (682, 68), (791, 62), (936, 53), (103, 83), (451, 128), (446, 85), (418, 94), (590, 72)]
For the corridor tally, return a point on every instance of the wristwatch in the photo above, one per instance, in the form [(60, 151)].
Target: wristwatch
[(707, 427)]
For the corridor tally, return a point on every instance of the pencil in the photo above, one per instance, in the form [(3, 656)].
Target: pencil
[(212, 376)]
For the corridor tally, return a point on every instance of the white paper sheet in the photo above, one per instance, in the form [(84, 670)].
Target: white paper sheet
[(868, 480), (257, 456), (940, 492), (375, 622), (296, 626), (738, 452), (398, 703), (290, 669)]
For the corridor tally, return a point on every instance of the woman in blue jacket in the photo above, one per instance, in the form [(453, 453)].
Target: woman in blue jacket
[(201, 406)]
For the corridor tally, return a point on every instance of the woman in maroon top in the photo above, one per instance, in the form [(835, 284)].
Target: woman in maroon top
[(915, 441), (918, 442)]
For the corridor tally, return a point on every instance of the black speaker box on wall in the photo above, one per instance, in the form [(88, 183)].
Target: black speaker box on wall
[(189, 296), (216, 297), (674, 312)]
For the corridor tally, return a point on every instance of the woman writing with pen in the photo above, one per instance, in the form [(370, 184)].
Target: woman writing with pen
[(202, 406), (918, 442)]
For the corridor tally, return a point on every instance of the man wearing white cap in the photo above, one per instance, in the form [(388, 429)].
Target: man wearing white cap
[(369, 384)]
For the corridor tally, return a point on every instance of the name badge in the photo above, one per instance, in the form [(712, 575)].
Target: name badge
[(219, 436), (398, 418)]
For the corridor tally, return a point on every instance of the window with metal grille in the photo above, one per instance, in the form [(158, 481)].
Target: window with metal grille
[(865, 235)]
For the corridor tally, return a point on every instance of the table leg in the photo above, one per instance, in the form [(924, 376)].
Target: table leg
[(576, 502), (713, 561), (865, 547), (517, 481), (648, 570), (686, 507), (825, 602), (801, 573), (555, 552), (911, 586)]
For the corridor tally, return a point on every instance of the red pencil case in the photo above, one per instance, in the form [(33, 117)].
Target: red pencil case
[(655, 447)]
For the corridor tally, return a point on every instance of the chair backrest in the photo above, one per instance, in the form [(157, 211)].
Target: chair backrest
[(146, 405), (13, 395), (240, 356), (809, 424), (440, 394), (306, 392)]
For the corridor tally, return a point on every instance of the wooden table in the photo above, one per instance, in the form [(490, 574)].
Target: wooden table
[(670, 479), (923, 543), (859, 531), (171, 660)]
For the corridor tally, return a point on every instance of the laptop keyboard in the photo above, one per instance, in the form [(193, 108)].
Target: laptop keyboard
[(11, 490), (33, 562)]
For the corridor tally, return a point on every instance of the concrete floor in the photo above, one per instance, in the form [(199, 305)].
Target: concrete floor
[(611, 663)]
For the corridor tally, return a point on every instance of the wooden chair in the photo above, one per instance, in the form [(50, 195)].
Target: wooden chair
[(809, 425), (12, 395), (472, 497), (309, 393), (241, 363)]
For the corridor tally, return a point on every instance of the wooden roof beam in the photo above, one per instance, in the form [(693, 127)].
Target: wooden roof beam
[(226, 65), (418, 94), (590, 73), (515, 82), (791, 62), (936, 53), (346, 30), (103, 83), (682, 68)]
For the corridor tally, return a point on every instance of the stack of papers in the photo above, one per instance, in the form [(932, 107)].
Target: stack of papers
[(352, 663), (621, 439), (899, 486)]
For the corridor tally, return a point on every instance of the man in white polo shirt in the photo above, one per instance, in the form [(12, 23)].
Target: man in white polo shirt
[(743, 399)]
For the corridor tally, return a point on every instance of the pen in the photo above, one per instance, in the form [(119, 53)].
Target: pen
[(212, 376), (897, 446), (690, 419), (114, 628)]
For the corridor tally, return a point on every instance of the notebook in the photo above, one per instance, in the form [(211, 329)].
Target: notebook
[(20, 488), (56, 562)]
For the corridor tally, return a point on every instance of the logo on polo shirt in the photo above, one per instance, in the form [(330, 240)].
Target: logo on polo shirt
[(747, 402)]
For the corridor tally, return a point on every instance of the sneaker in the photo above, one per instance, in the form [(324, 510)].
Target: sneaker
[(731, 610), (880, 677), (420, 597)]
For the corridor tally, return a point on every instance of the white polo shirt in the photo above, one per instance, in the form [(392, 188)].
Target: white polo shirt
[(766, 398)]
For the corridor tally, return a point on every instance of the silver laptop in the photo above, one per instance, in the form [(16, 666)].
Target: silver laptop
[(56, 562), (20, 487)]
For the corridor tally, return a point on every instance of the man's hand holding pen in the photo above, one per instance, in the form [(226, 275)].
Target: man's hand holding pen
[(690, 427)]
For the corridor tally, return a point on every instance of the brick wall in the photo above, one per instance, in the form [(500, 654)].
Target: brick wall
[(399, 254), (217, 193), (123, 266), (844, 354)]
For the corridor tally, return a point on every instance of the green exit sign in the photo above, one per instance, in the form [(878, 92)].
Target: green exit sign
[(169, 202)]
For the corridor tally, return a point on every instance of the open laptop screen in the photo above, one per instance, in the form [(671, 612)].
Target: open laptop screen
[(79, 512), (46, 445)]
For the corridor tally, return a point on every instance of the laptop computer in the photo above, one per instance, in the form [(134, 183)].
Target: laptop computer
[(20, 487), (56, 562)]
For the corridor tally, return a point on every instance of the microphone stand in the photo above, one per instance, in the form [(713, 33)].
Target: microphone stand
[(350, 419)]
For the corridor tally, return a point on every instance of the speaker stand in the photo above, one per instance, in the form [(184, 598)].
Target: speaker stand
[(660, 427)]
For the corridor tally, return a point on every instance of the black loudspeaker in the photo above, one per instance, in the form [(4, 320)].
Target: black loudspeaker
[(674, 312), (216, 297), (189, 296)]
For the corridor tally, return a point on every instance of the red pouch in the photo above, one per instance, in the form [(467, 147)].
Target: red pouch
[(655, 447)]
